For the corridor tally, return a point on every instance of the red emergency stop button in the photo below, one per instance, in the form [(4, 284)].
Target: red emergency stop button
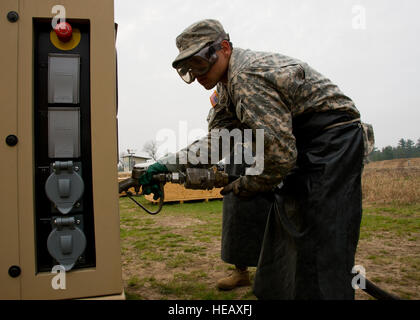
[(64, 31)]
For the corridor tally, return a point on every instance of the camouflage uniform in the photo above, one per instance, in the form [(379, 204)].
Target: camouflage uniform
[(314, 144), (265, 91)]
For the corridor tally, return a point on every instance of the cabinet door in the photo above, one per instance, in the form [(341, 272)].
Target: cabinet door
[(9, 230)]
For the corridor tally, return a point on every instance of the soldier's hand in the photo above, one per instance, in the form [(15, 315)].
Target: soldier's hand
[(237, 189), (145, 180), (152, 188)]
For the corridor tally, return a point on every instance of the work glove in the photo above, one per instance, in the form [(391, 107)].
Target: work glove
[(238, 189), (145, 180)]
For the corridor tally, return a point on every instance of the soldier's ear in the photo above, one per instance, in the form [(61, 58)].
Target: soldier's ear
[(226, 48)]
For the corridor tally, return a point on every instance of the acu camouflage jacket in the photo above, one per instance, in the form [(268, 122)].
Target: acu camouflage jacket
[(266, 91)]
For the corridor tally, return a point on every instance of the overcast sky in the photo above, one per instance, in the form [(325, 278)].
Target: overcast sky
[(375, 60)]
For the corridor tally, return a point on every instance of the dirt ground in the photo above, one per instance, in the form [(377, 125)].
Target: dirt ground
[(391, 262)]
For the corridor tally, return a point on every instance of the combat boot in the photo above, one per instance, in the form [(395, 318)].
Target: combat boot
[(238, 278)]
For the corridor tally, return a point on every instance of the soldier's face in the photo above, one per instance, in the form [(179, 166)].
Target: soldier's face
[(218, 72)]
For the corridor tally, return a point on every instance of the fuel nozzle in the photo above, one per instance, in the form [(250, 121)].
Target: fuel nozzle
[(132, 182), (196, 178), (205, 179), (193, 178)]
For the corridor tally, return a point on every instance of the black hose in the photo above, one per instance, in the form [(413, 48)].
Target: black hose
[(376, 292), (131, 182), (161, 200)]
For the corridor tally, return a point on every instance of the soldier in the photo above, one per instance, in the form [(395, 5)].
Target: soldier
[(313, 147)]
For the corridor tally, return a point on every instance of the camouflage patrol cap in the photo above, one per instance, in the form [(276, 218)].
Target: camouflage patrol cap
[(196, 37)]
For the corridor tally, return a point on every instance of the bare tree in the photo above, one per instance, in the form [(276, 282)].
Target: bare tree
[(151, 148)]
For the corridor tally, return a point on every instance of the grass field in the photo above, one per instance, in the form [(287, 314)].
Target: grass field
[(176, 254)]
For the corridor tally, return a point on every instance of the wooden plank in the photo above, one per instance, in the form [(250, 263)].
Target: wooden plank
[(177, 193)]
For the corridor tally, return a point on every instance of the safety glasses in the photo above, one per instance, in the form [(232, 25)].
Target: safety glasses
[(198, 64)]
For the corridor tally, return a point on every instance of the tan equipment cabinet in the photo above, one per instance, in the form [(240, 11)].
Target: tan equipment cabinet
[(59, 228)]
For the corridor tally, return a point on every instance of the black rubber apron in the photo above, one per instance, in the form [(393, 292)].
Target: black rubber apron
[(244, 221), (310, 240)]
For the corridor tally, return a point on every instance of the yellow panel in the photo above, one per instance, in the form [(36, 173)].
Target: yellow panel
[(9, 231), (106, 278)]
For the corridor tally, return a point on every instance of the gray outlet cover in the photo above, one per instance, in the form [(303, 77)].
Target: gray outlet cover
[(64, 188), (66, 245)]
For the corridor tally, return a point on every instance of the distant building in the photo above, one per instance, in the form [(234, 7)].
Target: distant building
[(129, 161)]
